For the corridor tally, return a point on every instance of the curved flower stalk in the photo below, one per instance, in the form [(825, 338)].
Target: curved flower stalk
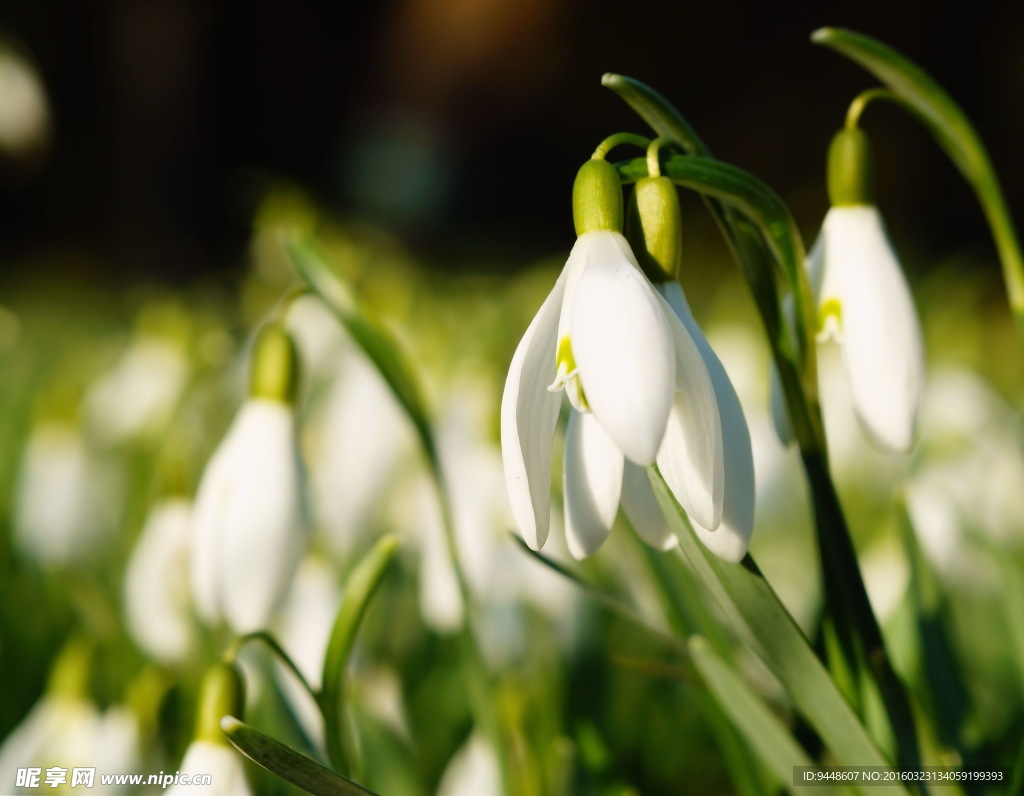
[(250, 525), (631, 371)]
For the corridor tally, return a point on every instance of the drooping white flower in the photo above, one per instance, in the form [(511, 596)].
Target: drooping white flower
[(865, 305), (156, 586), (64, 497), (250, 527), (732, 536), (140, 392), (473, 771), (631, 370), (220, 762)]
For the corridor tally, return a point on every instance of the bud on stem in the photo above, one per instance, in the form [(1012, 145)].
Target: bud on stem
[(597, 198), (851, 178), (275, 365), (655, 228)]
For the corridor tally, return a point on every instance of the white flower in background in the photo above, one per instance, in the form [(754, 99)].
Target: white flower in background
[(156, 586), (223, 765), (64, 497), (964, 496), (140, 393), (65, 728), (250, 527), (473, 771), (360, 438), (864, 304), (631, 370), (304, 629), (24, 110)]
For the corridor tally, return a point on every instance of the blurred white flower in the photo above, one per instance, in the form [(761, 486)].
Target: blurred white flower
[(304, 628), (221, 762), (473, 771), (360, 437), (71, 732), (139, 394), (964, 495), (156, 586), (24, 110), (64, 498), (631, 370), (250, 528), (864, 303)]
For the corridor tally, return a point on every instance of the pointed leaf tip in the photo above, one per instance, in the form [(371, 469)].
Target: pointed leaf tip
[(822, 35)]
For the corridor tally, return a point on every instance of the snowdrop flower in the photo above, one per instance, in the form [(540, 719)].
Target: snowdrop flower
[(64, 497), (631, 370), (66, 728), (864, 302), (249, 531), (210, 753), (156, 588), (472, 771), (656, 230), (140, 392)]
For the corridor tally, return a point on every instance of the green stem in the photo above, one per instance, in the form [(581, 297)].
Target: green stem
[(273, 645), (619, 139), (861, 101)]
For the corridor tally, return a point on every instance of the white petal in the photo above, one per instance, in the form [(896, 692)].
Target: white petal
[(222, 763), (528, 417), (592, 484), (691, 457), (641, 508), (157, 609), (250, 518), (623, 347), (882, 347), (732, 536)]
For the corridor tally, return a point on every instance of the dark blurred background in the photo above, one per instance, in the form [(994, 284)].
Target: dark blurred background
[(460, 123)]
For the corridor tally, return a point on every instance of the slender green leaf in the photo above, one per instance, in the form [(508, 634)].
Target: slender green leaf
[(761, 728), (359, 590), (285, 762), (949, 125), (765, 624)]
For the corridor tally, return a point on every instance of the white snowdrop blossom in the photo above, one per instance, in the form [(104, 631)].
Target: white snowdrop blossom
[(631, 370), (220, 762), (250, 526), (864, 303), (64, 497), (156, 584), (139, 394)]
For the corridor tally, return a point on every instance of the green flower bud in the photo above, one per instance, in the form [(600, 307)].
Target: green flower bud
[(654, 228), (222, 693), (851, 178), (275, 365), (597, 198)]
